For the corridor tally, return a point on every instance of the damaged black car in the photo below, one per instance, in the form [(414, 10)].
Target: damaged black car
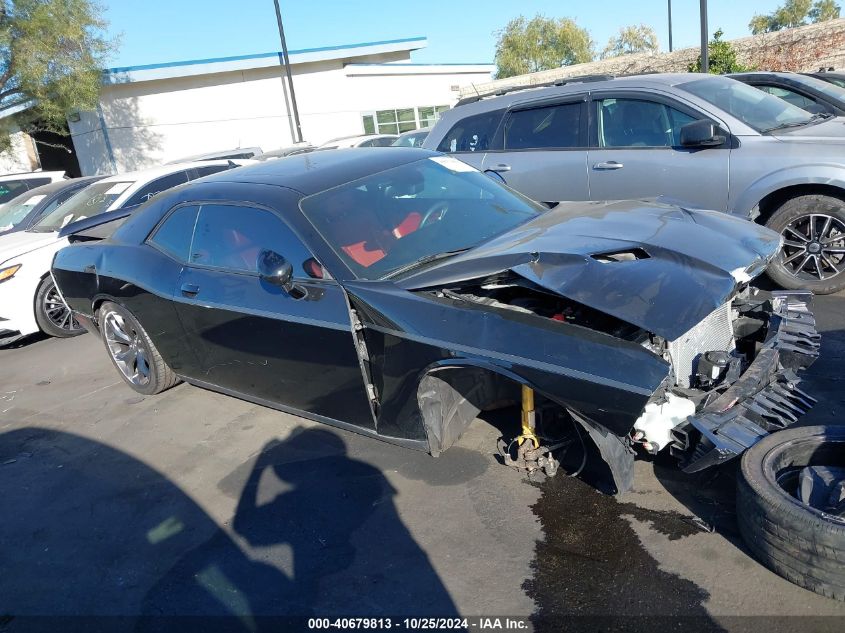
[(399, 293)]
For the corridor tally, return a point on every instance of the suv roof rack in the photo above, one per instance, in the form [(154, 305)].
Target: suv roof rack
[(557, 82)]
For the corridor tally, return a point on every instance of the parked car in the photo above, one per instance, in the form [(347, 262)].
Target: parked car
[(238, 153), (292, 150), (414, 138), (808, 93), (360, 140), (704, 141), (397, 292), (14, 185), (830, 76), (25, 210), (29, 301)]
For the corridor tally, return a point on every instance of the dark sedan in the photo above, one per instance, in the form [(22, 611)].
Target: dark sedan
[(25, 211), (397, 292)]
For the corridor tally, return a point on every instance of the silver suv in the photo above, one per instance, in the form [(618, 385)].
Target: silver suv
[(696, 140)]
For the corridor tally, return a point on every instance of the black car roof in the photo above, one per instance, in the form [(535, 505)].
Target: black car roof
[(317, 171)]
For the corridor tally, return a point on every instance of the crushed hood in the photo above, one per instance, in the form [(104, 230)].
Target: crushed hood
[(682, 264), (14, 245)]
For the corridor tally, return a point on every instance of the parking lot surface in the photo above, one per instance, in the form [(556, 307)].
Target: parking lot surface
[(193, 503)]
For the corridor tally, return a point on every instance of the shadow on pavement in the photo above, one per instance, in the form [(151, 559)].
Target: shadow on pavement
[(93, 538)]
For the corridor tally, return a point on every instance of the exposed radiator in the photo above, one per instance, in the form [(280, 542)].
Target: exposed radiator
[(713, 333)]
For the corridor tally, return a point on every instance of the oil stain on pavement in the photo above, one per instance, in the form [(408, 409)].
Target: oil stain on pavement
[(592, 570)]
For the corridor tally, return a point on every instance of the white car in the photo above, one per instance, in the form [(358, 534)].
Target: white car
[(29, 301), (13, 185), (360, 140)]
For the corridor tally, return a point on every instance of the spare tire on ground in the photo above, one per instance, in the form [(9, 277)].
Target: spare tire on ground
[(788, 506)]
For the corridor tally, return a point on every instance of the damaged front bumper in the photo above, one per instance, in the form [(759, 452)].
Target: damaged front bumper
[(765, 399)]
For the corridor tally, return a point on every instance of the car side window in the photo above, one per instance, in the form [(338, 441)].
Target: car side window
[(231, 237), (157, 186), (58, 201), (787, 95), (472, 134), (207, 170), (639, 123), (173, 236), (555, 126)]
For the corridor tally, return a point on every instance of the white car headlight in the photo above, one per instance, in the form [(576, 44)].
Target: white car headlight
[(8, 272)]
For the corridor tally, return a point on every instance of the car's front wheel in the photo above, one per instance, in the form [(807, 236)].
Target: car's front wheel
[(132, 351), (813, 253), (52, 314)]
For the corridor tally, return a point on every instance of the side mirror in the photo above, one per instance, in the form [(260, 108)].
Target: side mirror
[(275, 269), (701, 134)]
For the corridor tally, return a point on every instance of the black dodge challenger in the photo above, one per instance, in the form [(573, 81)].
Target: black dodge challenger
[(397, 292)]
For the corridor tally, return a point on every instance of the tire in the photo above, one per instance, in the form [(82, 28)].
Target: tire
[(800, 543), (793, 216), (133, 353), (52, 315)]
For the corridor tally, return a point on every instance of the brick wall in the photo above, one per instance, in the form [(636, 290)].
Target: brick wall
[(803, 49)]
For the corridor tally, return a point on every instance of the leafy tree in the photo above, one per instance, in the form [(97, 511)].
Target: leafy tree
[(824, 10), (51, 56), (631, 39), (527, 46), (721, 58), (794, 13)]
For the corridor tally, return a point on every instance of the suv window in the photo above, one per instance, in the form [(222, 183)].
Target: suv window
[(231, 237), (639, 123), (157, 186), (472, 134), (174, 234), (553, 126)]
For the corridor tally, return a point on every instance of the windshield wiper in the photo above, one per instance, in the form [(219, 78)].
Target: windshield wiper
[(427, 259), (821, 116)]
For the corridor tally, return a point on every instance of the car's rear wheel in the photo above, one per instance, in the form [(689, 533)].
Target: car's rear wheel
[(132, 352), (52, 314), (813, 253)]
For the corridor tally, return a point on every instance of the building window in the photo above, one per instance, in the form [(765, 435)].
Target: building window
[(429, 115), (402, 120)]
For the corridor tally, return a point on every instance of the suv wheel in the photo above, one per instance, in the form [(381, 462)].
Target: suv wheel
[(813, 253), (52, 314)]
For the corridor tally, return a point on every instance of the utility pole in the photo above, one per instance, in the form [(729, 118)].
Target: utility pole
[(286, 60), (670, 26), (705, 55)]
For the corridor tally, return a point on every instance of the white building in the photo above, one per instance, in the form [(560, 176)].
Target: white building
[(160, 112)]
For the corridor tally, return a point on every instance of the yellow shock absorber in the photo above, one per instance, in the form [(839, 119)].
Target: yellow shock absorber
[(528, 418)]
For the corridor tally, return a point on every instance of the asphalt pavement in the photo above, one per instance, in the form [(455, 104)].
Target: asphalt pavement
[(123, 512)]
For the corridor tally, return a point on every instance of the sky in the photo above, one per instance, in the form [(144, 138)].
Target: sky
[(458, 31)]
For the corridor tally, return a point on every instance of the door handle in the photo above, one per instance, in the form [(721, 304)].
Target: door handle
[(190, 290), (499, 168), (611, 164)]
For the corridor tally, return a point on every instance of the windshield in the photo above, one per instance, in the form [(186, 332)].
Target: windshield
[(13, 213), (753, 107), (434, 206), (829, 89), (92, 200)]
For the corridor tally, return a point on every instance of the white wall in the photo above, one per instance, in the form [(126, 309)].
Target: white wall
[(21, 157), (152, 122)]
